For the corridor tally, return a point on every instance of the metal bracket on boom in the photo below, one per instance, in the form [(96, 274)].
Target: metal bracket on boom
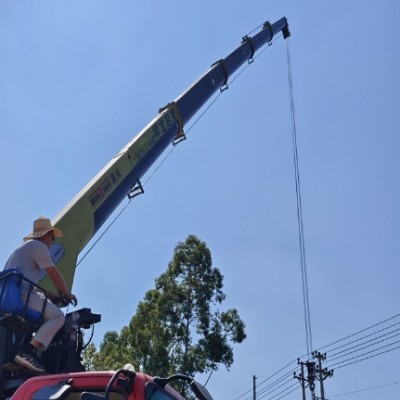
[(267, 25), (224, 70), (248, 39), (180, 135), (286, 32), (178, 139), (135, 190)]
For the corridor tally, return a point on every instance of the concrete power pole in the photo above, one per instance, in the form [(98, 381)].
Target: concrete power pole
[(308, 381), (321, 373)]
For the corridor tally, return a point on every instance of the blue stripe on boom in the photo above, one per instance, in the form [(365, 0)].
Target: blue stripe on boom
[(123, 188)]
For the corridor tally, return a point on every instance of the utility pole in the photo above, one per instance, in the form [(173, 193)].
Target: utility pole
[(321, 373), (303, 386), (254, 388), (308, 381)]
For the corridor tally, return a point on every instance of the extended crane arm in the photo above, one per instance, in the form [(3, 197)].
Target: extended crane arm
[(94, 204)]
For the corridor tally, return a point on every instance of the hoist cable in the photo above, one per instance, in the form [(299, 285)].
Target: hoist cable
[(303, 264), (104, 232)]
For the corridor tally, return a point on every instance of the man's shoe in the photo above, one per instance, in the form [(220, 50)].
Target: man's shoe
[(29, 361)]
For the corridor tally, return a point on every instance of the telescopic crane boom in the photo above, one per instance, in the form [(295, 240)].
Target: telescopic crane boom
[(94, 204)]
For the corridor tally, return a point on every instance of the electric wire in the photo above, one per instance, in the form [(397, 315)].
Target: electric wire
[(353, 348), (351, 361), (346, 355), (360, 346), (282, 383), (266, 388), (283, 393), (359, 332), (279, 371), (269, 385), (278, 388), (366, 389), (270, 389)]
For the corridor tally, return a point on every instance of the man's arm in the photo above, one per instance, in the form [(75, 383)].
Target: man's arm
[(60, 284)]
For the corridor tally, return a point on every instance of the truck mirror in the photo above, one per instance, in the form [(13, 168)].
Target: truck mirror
[(200, 391)]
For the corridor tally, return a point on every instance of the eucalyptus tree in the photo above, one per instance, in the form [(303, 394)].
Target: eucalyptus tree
[(179, 326)]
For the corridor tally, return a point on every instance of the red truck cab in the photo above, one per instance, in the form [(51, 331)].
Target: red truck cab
[(121, 385)]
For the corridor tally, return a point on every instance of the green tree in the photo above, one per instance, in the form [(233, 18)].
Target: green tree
[(178, 326), (88, 355)]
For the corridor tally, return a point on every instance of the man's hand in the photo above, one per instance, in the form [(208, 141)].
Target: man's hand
[(59, 283), (72, 298)]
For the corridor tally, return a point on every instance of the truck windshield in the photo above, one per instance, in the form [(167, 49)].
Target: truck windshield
[(113, 395)]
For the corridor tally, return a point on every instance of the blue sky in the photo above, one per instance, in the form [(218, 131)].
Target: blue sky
[(79, 79)]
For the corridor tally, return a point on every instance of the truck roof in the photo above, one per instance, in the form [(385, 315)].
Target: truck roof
[(71, 385)]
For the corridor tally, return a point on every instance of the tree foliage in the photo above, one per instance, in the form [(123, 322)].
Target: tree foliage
[(178, 326)]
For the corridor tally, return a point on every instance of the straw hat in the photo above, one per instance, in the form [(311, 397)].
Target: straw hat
[(41, 226)]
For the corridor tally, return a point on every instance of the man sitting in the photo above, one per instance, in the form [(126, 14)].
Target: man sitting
[(33, 260)]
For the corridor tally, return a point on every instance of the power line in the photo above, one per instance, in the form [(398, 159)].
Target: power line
[(354, 351), (279, 378), (359, 347), (283, 393), (364, 337), (278, 385), (369, 355), (366, 389), (359, 332)]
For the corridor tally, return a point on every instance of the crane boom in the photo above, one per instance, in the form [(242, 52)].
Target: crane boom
[(94, 204)]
